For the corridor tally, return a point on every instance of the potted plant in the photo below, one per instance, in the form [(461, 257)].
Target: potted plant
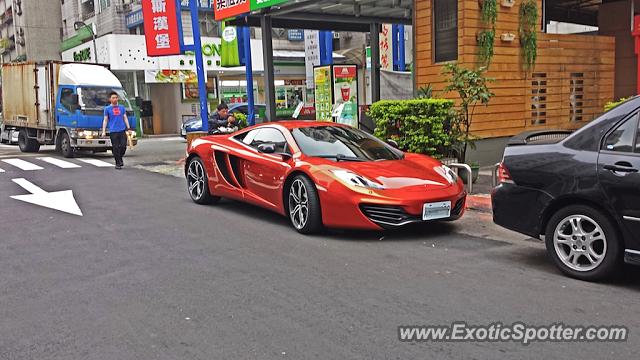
[(472, 90)]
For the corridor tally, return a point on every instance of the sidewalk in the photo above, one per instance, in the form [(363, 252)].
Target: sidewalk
[(480, 198)]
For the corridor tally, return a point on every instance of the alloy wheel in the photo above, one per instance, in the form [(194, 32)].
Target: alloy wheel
[(298, 204), (196, 179), (580, 243)]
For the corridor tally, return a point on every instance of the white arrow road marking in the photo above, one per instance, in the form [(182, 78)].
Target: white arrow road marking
[(59, 200), (96, 162), (59, 163), (22, 165)]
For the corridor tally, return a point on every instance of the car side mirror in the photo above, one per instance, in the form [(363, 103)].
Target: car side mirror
[(267, 148), (393, 143)]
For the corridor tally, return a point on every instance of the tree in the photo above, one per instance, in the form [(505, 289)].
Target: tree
[(472, 89)]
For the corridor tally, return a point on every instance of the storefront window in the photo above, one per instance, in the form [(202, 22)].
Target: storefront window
[(445, 15)]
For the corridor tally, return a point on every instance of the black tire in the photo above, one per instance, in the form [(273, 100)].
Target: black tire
[(65, 146), (27, 145), (200, 193), (313, 222), (607, 250)]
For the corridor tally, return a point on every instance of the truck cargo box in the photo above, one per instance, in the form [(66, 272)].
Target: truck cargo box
[(28, 94)]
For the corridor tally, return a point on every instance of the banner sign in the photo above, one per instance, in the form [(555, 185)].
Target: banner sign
[(161, 27), (170, 76), (295, 35), (311, 53), (204, 5), (229, 51), (134, 19), (345, 91), (323, 95), (386, 48), (225, 9), (259, 4)]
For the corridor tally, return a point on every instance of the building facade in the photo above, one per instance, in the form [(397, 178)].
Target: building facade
[(571, 81), (30, 30)]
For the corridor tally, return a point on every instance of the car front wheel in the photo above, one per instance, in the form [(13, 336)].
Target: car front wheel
[(198, 183), (304, 206), (583, 243)]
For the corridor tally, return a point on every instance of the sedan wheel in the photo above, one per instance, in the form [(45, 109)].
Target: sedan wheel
[(304, 206), (583, 243), (580, 243), (197, 182)]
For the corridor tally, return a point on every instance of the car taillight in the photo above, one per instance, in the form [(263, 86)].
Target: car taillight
[(504, 177)]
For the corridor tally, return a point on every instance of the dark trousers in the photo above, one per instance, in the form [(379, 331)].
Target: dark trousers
[(119, 146)]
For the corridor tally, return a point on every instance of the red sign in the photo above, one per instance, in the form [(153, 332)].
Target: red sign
[(161, 27), (225, 9), (345, 71)]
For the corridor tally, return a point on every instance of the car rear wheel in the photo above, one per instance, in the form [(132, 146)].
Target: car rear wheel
[(198, 183), (304, 206), (583, 243)]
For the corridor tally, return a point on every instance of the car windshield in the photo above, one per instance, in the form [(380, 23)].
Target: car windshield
[(93, 98), (343, 144)]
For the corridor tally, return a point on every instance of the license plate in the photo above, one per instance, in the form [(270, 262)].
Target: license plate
[(438, 210)]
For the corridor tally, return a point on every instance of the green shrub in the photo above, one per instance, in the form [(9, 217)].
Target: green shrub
[(242, 120), (611, 104), (419, 126)]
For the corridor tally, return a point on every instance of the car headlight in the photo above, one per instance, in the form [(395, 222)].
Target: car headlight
[(447, 173), (354, 179)]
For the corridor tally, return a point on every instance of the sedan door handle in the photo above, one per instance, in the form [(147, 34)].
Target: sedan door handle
[(622, 166)]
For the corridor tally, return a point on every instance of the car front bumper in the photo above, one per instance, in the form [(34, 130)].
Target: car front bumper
[(101, 143), (376, 210)]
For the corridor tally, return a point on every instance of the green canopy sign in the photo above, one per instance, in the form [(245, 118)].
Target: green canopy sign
[(259, 4)]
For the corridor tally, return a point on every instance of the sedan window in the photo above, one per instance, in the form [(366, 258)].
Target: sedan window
[(622, 139)]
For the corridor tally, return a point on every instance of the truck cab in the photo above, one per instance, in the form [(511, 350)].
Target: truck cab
[(82, 96), (61, 104)]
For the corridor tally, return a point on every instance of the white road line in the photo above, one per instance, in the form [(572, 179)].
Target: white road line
[(22, 165), (1, 171), (59, 163), (96, 162)]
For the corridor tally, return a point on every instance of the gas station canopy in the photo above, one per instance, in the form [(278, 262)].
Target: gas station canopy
[(346, 15)]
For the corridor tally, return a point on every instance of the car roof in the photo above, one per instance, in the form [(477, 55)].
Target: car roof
[(295, 124)]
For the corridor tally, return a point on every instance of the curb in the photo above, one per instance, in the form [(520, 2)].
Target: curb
[(480, 202)]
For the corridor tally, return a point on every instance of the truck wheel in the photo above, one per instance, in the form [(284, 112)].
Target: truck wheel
[(27, 145), (65, 146)]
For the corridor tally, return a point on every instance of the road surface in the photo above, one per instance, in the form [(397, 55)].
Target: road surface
[(146, 274)]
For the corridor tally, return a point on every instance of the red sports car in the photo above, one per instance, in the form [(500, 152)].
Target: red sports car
[(323, 174)]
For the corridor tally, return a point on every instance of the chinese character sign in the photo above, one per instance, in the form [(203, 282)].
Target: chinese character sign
[(386, 48), (225, 9), (161, 27)]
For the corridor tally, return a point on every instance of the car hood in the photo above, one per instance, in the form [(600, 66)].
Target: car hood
[(414, 172)]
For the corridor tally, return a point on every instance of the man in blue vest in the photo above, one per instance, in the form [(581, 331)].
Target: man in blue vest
[(115, 116)]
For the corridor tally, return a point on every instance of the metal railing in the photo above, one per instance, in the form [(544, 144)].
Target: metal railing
[(494, 175), (466, 168)]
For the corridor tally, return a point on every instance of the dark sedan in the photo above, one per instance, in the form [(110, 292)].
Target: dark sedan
[(580, 191)]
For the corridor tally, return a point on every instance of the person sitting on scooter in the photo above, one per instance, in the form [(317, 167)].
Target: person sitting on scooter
[(222, 121)]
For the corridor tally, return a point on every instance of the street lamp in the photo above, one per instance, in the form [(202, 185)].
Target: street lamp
[(79, 25)]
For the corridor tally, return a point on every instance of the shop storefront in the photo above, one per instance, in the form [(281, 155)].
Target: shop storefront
[(169, 85)]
